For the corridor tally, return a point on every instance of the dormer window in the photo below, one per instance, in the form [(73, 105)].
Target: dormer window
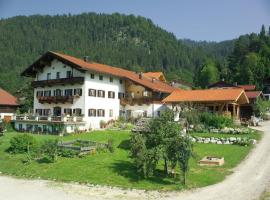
[(48, 76), (57, 75), (69, 74)]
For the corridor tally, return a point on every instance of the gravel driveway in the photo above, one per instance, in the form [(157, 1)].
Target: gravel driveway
[(247, 182)]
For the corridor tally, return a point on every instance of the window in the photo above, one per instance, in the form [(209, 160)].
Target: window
[(47, 93), (77, 111), (92, 112), (101, 93), (100, 112), (78, 92), (20, 127), (39, 112), (111, 79), (57, 75), (58, 92), (158, 113), (68, 92), (69, 75), (92, 92), (46, 112), (121, 95), (92, 76), (68, 111), (120, 81), (100, 77), (48, 76), (111, 94), (111, 113), (39, 93)]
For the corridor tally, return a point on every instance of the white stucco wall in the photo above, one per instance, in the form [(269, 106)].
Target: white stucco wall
[(99, 102), (151, 109)]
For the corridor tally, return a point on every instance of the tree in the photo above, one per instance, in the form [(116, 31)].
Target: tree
[(263, 32), (208, 74), (180, 151), (148, 148)]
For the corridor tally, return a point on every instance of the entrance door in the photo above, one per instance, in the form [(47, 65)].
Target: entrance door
[(57, 111)]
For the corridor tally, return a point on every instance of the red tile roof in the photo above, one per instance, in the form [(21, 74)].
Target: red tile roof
[(248, 87), (210, 95), (102, 68), (253, 94), (7, 99)]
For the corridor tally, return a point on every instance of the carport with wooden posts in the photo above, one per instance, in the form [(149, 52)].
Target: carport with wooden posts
[(222, 101)]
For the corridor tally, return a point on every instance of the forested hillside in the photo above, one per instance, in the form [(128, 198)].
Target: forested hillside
[(134, 43), (127, 41)]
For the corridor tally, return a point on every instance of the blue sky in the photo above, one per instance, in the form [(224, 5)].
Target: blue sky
[(211, 20)]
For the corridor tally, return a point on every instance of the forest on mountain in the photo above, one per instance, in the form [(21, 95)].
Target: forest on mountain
[(130, 42)]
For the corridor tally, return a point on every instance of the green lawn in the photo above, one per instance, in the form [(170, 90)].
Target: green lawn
[(117, 168)]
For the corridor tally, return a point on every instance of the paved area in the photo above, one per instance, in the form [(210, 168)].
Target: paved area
[(247, 182)]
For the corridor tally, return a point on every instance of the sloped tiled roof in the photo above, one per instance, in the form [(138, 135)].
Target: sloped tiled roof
[(253, 94), (247, 87), (7, 99), (102, 68), (209, 95)]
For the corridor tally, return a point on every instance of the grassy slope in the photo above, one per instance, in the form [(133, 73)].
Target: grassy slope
[(117, 168)]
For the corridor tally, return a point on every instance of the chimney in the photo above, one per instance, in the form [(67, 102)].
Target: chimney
[(140, 75), (153, 80), (223, 79), (85, 58), (235, 83)]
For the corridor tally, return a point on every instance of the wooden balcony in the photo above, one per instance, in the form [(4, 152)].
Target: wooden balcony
[(56, 99), (60, 81), (139, 101)]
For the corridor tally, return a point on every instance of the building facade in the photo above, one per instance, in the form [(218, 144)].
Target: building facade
[(72, 94)]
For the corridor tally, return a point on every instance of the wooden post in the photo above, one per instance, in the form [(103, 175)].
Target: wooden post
[(238, 112), (233, 112)]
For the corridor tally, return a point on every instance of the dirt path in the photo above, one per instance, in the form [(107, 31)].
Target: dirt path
[(247, 182)]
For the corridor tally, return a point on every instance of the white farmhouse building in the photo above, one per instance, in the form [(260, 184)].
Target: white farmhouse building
[(72, 94)]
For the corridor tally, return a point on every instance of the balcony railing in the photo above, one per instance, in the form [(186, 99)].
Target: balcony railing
[(56, 99), (60, 81), (138, 101), (49, 118)]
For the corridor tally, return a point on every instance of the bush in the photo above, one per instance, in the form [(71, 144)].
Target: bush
[(23, 143), (215, 120), (191, 116), (110, 145), (68, 153), (50, 150)]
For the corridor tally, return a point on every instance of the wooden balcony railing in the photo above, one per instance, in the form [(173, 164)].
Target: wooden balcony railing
[(139, 101), (56, 99), (60, 81)]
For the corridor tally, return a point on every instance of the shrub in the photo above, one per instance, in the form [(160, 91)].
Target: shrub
[(68, 153), (110, 145), (50, 150), (215, 120), (191, 116), (23, 143)]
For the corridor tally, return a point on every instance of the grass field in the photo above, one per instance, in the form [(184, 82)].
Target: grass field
[(116, 168)]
